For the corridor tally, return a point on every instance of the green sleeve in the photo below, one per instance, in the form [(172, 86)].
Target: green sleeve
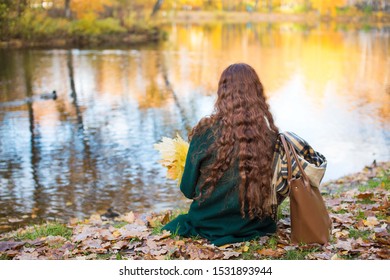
[(196, 154)]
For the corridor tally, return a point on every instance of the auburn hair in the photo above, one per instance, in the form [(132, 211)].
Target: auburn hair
[(244, 130)]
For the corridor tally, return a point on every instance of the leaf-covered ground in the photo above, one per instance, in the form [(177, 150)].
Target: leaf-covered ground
[(358, 205)]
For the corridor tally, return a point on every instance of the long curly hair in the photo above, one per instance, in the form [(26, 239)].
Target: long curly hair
[(244, 130)]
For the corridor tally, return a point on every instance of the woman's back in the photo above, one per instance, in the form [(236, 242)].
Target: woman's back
[(228, 169), (217, 218)]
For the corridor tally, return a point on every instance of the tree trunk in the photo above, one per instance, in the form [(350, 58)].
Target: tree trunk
[(156, 7), (67, 9), (21, 6)]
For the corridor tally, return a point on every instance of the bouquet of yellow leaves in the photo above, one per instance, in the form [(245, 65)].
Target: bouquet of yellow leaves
[(173, 156)]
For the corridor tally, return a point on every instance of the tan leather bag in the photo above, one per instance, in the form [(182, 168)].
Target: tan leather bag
[(310, 221)]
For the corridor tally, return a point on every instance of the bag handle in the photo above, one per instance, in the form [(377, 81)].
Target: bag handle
[(287, 152), (287, 148)]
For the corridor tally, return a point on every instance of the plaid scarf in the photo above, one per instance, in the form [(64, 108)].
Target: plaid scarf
[(312, 162)]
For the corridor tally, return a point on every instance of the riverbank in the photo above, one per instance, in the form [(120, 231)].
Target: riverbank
[(106, 40), (37, 30), (358, 205), (373, 18)]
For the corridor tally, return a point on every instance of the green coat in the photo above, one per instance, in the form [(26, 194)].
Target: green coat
[(218, 217)]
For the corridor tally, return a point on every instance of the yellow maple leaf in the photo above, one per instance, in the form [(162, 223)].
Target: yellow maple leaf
[(371, 222), (173, 156)]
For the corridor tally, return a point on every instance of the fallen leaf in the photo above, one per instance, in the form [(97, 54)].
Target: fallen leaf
[(28, 250), (14, 220), (163, 235), (384, 241), (86, 231), (154, 222), (245, 248), (289, 248), (5, 227), (360, 225), (323, 255), (37, 242), (133, 230), (12, 253), (10, 245), (116, 234), (73, 221), (286, 221), (384, 254), (344, 245), (362, 243), (336, 257), (91, 256), (371, 222), (27, 256), (55, 240), (128, 217), (95, 219), (120, 244), (342, 234), (263, 240), (166, 218), (342, 218), (106, 235), (366, 195), (333, 202), (230, 254), (272, 253), (92, 243), (199, 252)]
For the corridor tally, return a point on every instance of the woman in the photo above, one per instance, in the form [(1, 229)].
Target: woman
[(228, 167)]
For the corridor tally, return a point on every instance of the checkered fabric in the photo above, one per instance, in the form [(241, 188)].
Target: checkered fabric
[(313, 162)]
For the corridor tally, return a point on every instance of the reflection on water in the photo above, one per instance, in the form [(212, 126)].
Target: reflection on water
[(92, 147)]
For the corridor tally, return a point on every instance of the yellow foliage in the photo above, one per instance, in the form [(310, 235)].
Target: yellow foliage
[(83, 7), (328, 7), (173, 156)]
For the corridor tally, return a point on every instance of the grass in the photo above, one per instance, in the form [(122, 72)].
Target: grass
[(134, 239), (120, 224), (383, 181), (284, 209), (354, 233), (273, 242), (360, 215), (158, 225), (5, 257), (53, 229), (381, 216), (365, 201), (157, 229), (252, 248), (119, 256), (103, 256), (298, 254), (341, 211)]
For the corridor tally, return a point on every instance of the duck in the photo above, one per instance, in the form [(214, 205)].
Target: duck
[(110, 214), (52, 95)]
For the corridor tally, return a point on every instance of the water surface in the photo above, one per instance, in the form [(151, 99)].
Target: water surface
[(92, 147)]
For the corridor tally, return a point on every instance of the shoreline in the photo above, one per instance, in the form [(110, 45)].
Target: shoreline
[(119, 40), (358, 205), (244, 17)]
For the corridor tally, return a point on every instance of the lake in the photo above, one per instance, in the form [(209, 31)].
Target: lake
[(92, 147)]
